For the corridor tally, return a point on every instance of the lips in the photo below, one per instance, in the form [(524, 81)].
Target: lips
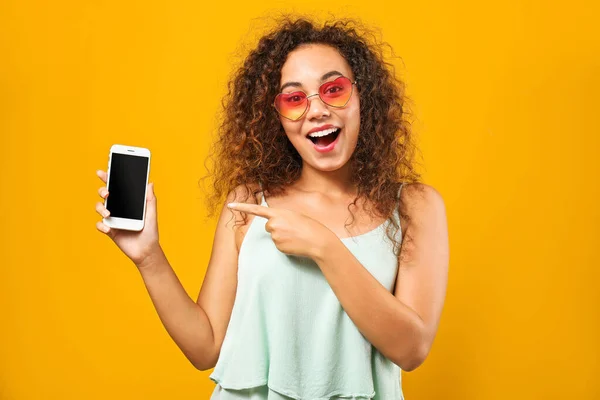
[(322, 128)]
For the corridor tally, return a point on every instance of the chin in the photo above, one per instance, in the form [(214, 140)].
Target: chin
[(328, 165)]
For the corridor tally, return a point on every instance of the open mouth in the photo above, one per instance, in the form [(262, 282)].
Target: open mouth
[(324, 141)]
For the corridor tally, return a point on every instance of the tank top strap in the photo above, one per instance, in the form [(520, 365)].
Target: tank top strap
[(399, 191), (263, 201), (396, 214)]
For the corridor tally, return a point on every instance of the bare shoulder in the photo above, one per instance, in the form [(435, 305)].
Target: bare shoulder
[(420, 198), (421, 205), (244, 193)]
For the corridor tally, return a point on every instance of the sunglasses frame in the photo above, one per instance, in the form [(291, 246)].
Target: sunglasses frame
[(316, 94)]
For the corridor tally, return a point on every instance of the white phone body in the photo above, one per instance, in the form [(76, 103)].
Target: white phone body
[(127, 182)]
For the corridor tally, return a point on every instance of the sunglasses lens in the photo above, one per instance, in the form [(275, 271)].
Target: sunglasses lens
[(337, 92), (291, 105)]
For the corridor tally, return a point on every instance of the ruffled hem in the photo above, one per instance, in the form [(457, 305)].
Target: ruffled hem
[(265, 391), (378, 380)]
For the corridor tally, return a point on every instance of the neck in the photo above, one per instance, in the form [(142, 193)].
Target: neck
[(334, 183)]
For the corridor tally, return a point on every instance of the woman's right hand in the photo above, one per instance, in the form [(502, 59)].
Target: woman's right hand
[(137, 245)]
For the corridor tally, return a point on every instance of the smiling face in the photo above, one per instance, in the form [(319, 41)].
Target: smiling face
[(306, 69)]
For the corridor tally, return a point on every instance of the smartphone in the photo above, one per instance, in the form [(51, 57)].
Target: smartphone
[(127, 181)]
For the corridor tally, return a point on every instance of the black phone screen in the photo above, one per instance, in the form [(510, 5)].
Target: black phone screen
[(127, 186)]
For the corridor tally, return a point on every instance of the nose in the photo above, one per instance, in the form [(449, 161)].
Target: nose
[(316, 107)]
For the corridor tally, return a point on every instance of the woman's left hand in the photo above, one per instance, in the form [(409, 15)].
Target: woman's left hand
[(293, 233)]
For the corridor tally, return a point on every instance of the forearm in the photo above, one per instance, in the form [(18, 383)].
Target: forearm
[(392, 327), (184, 319)]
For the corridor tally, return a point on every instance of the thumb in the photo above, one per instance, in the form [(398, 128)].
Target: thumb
[(151, 203), (150, 192)]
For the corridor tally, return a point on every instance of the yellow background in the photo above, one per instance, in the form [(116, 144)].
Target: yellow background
[(506, 99)]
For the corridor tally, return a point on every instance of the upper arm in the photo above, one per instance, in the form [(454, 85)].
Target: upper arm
[(217, 293), (424, 258)]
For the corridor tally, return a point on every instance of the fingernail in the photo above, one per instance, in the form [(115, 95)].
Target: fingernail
[(106, 214), (231, 205)]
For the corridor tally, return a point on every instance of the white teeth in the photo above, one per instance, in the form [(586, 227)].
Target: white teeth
[(323, 133)]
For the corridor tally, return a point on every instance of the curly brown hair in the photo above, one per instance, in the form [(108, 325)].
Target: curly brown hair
[(252, 147)]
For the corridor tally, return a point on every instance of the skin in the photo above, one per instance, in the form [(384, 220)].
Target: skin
[(321, 172), (308, 220)]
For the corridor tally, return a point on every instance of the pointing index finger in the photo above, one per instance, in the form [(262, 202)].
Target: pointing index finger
[(255, 209)]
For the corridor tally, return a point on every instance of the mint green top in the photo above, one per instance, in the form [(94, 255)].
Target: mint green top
[(289, 337)]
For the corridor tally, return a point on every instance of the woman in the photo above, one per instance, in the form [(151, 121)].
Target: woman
[(296, 302)]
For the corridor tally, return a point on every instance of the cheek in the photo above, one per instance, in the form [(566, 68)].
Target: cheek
[(353, 113), (291, 128), (356, 103)]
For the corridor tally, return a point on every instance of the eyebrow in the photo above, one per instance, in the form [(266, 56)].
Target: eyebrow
[(326, 76)]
